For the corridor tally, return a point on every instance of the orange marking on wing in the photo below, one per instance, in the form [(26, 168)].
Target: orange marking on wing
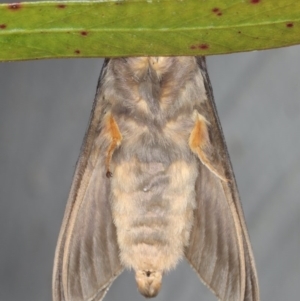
[(199, 141), (116, 138), (199, 136)]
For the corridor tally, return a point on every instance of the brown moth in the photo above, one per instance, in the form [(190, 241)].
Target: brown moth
[(153, 184)]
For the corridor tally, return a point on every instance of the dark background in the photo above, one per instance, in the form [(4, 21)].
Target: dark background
[(44, 111)]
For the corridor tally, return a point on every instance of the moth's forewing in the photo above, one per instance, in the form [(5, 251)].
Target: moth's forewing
[(219, 248), (87, 254)]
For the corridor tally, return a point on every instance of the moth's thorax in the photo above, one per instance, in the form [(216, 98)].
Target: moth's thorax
[(152, 100), (153, 90)]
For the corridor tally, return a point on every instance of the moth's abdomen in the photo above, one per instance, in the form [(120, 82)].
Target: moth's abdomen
[(152, 206)]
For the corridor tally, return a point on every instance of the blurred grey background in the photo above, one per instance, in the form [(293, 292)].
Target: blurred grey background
[(44, 112)]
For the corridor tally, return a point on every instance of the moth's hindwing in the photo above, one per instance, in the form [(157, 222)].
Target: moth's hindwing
[(219, 248), (87, 254)]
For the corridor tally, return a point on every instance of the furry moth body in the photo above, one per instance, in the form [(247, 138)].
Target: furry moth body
[(153, 184)]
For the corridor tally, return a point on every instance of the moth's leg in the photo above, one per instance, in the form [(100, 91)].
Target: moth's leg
[(116, 138), (199, 143)]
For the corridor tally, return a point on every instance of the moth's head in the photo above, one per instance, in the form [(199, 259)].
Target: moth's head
[(148, 282)]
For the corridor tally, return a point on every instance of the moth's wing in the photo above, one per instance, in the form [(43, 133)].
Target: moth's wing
[(219, 248), (86, 259)]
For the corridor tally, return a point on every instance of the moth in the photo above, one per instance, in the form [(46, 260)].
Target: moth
[(153, 184)]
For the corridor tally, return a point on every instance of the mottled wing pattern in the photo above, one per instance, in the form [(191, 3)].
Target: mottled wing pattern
[(86, 259), (219, 248)]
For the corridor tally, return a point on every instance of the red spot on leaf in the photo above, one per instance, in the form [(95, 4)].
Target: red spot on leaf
[(290, 24), (203, 46), (84, 33), (255, 1), (199, 46), (3, 26), (77, 51), (14, 6), (61, 5), (217, 11)]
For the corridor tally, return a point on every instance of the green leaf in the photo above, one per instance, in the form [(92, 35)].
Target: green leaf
[(138, 27)]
